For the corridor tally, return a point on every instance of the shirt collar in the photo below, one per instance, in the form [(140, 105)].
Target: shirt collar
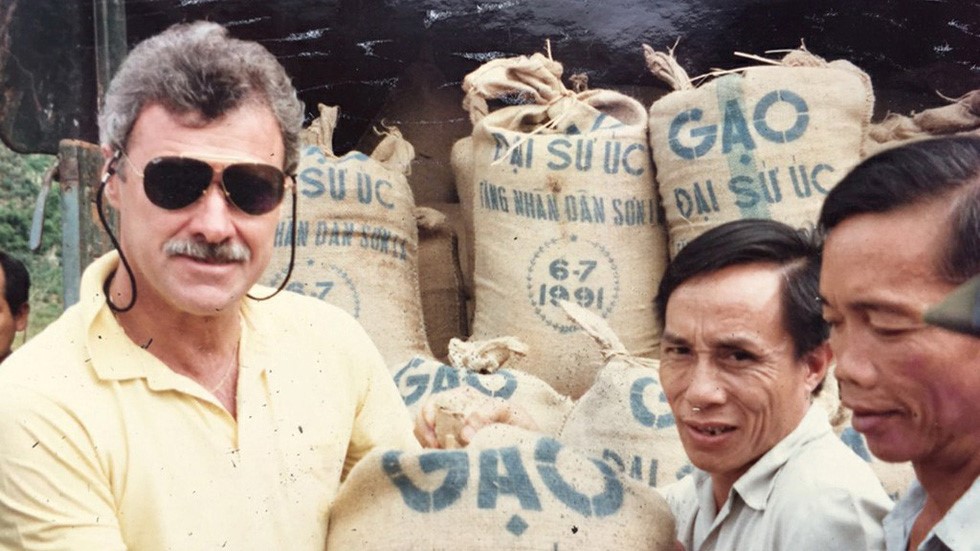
[(756, 485), (114, 357), (958, 529), (898, 522)]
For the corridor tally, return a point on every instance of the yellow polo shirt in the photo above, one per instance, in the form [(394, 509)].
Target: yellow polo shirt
[(103, 447)]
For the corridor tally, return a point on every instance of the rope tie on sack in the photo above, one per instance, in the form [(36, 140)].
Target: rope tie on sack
[(580, 82), (394, 152), (487, 356), (664, 66), (427, 218), (537, 78), (550, 125), (611, 347), (320, 131), (961, 114)]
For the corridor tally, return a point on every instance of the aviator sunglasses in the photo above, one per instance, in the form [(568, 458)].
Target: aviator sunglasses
[(174, 182)]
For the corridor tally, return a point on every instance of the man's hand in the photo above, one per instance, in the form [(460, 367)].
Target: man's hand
[(451, 419)]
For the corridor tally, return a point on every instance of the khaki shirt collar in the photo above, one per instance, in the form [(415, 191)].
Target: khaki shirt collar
[(756, 485)]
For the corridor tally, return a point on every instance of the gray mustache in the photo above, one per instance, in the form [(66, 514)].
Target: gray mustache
[(209, 252)]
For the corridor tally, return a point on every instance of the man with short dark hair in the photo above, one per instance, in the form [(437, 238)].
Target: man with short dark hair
[(175, 407), (15, 284), (902, 232), (743, 352)]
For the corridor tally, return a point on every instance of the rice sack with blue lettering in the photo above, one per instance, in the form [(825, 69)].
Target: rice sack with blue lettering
[(766, 141), (357, 237), (564, 208), (509, 489), (624, 419), (423, 377)]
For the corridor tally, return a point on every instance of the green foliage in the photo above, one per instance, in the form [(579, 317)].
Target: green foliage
[(20, 182)]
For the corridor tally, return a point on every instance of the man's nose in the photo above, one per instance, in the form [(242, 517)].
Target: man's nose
[(854, 365), (212, 215), (705, 388)]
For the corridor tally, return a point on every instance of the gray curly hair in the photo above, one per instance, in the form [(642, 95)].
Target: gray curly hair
[(198, 68)]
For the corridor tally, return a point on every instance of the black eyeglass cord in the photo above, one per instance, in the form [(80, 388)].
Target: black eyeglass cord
[(292, 253), (110, 170)]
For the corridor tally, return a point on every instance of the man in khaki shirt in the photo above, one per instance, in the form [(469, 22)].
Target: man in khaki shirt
[(742, 354)]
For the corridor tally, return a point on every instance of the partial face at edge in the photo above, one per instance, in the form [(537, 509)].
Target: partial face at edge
[(914, 388), (10, 322)]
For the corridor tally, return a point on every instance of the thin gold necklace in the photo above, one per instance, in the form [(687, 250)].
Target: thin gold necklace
[(231, 367)]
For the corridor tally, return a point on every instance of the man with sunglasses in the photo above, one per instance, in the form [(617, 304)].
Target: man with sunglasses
[(174, 407), (902, 234)]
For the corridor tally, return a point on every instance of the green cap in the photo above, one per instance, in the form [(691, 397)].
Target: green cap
[(960, 310)]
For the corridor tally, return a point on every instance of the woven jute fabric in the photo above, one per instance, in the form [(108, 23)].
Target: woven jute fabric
[(509, 489), (564, 208), (357, 238), (624, 419), (422, 377), (959, 116), (767, 141)]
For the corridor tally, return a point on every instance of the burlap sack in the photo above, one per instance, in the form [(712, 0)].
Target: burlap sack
[(440, 281), (768, 142), (461, 160), (494, 80), (477, 365), (564, 208), (357, 239), (624, 419), (959, 116), (509, 489)]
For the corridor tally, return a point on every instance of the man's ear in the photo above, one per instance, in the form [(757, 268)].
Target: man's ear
[(817, 363), (109, 176), (20, 318)]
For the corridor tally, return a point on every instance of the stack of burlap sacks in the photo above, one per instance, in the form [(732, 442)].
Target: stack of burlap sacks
[(538, 287)]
